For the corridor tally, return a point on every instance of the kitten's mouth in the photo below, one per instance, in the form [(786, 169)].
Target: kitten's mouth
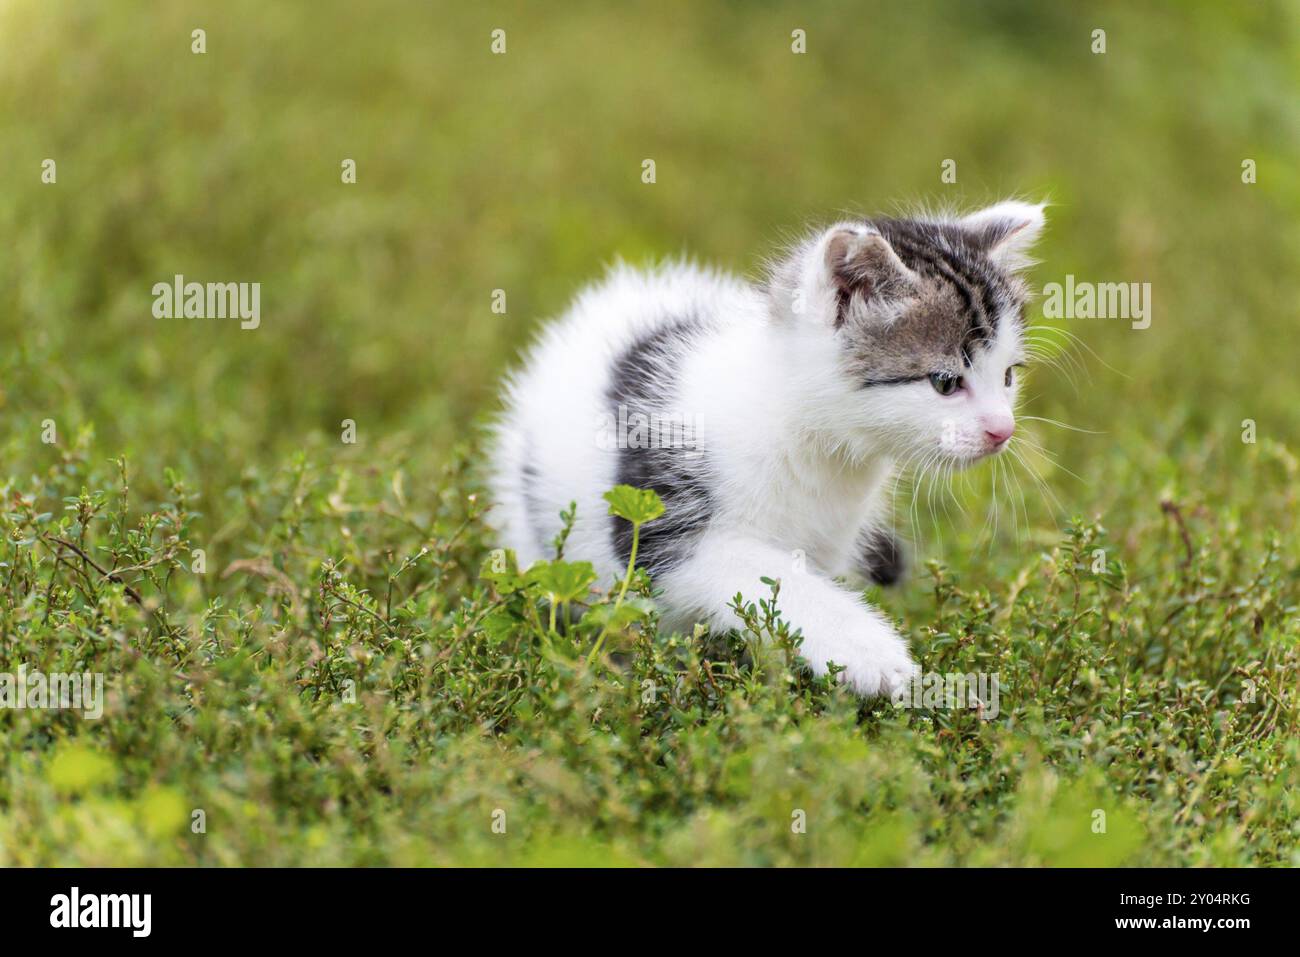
[(994, 449), (966, 459)]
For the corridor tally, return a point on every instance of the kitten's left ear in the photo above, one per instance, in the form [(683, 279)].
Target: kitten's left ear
[(1007, 231)]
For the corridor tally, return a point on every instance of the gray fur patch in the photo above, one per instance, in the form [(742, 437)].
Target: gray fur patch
[(881, 557), (643, 380)]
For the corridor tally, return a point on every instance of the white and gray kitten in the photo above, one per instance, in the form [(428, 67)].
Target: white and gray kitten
[(771, 419)]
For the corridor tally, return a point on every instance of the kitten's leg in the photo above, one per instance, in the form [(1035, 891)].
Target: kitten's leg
[(836, 625)]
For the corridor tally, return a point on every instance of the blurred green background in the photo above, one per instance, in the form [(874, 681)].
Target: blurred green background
[(522, 172)]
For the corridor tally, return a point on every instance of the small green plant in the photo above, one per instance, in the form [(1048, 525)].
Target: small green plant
[(638, 506)]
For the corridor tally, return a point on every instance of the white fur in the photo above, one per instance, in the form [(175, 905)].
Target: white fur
[(1024, 222), (800, 458)]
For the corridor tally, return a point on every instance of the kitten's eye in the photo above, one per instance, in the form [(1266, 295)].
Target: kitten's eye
[(944, 383), (1011, 376)]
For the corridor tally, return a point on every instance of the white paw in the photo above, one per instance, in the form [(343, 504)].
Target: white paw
[(876, 661)]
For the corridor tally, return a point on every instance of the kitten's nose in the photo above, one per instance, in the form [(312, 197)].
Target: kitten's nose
[(998, 431)]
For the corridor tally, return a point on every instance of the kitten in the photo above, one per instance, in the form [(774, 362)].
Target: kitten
[(771, 420)]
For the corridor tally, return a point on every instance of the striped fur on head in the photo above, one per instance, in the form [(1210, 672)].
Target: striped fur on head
[(911, 297)]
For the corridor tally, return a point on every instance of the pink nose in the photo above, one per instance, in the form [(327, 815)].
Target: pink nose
[(999, 432)]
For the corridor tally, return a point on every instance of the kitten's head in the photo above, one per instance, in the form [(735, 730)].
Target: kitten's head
[(922, 323)]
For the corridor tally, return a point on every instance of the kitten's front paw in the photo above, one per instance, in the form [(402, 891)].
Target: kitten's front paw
[(878, 663)]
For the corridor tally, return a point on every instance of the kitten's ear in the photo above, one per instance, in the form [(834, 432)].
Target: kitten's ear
[(1007, 231), (863, 267)]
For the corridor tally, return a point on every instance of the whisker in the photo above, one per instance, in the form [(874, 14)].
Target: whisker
[(1037, 479), (1078, 341), (1020, 493), (1061, 425), (1051, 457)]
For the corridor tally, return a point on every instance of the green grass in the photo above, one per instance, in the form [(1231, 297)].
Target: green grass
[(354, 676)]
